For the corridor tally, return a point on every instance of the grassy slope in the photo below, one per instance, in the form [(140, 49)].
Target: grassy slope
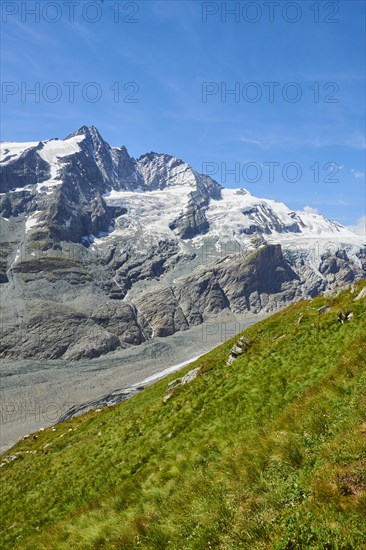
[(267, 453)]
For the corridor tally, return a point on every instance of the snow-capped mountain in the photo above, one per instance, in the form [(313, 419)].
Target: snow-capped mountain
[(116, 247), (160, 194)]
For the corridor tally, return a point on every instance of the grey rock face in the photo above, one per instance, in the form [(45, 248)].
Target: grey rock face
[(132, 267), (261, 281), (266, 221), (192, 221), (27, 169), (361, 294), (76, 281), (54, 331), (238, 349), (186, 379), (162, 312), (191, 375), (119, 319)]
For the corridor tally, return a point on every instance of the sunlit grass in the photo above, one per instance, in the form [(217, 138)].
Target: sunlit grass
[(267, 453)]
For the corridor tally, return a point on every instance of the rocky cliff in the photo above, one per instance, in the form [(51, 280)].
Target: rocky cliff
[(101, 251)]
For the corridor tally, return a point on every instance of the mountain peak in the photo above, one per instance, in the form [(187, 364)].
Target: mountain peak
[(153, 155), (87, 131)]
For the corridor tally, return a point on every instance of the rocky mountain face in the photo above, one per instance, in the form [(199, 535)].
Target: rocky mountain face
[(101, 251)]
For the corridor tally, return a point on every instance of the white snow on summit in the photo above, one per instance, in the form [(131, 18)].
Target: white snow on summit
[(237, 217), (149, 211), (162, 187), (55, 149), (52, 151), (310, 234), (10, 150), (238, 210)]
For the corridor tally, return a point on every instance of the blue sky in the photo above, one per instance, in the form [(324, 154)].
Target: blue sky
[(162, 54)]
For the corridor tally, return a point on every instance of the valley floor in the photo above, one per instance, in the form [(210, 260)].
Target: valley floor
[(35, 394)]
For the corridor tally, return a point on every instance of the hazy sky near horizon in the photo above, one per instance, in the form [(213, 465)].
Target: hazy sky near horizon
[(264, 95)]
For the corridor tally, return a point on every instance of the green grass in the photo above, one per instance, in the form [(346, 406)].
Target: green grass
[(267, 453)]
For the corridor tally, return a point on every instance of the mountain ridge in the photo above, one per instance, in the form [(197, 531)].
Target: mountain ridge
[(83, 222)]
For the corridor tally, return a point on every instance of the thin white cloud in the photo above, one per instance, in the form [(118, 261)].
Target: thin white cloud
[(251, 141), (357, 174), (314, 138), (355, 141), (19, 31), (310, 210), (360, 227)]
